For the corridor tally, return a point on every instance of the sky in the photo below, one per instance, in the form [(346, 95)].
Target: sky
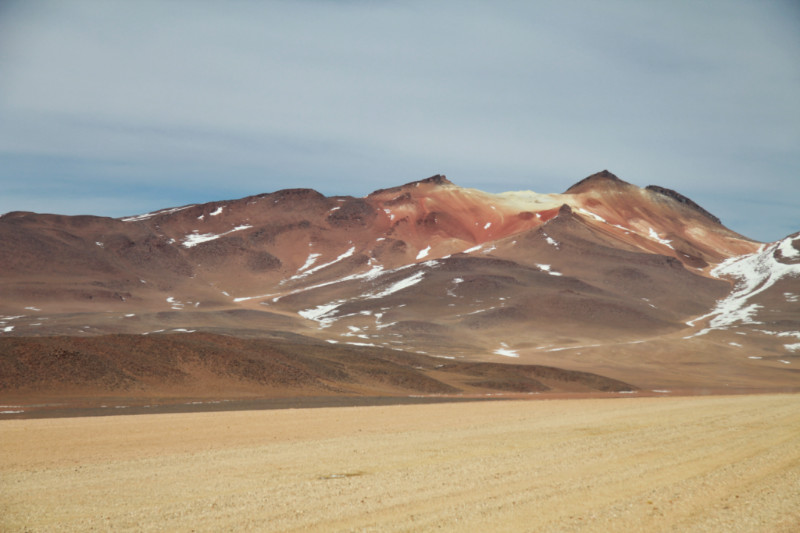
[(117, 108)]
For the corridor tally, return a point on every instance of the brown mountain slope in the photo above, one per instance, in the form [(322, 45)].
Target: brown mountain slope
[(203, 365), (596, 279)]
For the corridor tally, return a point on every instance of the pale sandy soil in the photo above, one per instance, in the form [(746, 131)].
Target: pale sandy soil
[(645, 464)]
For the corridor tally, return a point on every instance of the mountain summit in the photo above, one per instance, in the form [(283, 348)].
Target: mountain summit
[(639, 284), (604, 178)]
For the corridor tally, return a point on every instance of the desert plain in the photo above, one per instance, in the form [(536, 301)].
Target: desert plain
[(695, 463)]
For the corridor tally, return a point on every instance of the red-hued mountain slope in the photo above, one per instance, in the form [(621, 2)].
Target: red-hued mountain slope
[(638, 284)]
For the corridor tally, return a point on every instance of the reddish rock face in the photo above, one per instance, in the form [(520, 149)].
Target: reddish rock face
[(603, 267)]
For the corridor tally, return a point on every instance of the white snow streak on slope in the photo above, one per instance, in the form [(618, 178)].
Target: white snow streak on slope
[(423, 253), (312, 258), (589, 213), (217, 211), (369, 275), (548, 269), (322, 313), (601, 219), (396, 287), (345, 255), (506, 351), (325, 313), (154, 213), (550, 240), (654, 236), (787, 250), (194, 239), (754, 273)]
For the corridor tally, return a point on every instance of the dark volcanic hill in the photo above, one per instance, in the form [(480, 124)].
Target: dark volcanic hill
[(637, 284)]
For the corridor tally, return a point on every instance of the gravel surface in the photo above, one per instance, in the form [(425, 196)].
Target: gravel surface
[(634, 464)]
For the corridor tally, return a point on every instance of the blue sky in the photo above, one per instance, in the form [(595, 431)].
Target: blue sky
[(116, 108)]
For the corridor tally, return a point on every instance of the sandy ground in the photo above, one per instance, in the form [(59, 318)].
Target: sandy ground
[(644, 464)]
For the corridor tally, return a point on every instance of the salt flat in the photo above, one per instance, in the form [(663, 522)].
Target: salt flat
[(635, 464)]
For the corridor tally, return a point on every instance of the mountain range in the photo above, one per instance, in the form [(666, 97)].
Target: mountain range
[(425, 288)]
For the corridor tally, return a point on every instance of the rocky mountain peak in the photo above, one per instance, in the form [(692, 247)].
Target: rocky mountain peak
[(602, 178), (678, 197), (438, 180)]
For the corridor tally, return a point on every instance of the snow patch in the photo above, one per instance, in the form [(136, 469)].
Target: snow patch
[(369, 275), (325, 313), (398, 286), (322, 313), (505, 351), (754, 273), (194, 238), (592, 215), (154, 213), (550, 240), (217, 211), (487, 225), (317, 268), (312, 258), (787, 250), (548, 269), (423, 253), (654, 236), (572, 347)]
